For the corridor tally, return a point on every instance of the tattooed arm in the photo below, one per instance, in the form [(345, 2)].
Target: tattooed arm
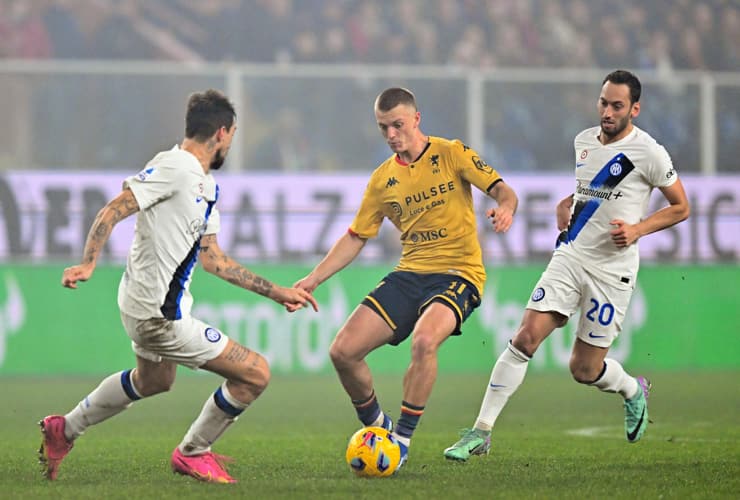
[(111, 214), (215, 261)]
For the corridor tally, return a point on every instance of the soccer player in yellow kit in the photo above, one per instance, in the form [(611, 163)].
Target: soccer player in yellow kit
[(424, 189)]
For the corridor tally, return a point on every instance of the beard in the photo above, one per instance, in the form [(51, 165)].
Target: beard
[(218, 160), (617, 128)]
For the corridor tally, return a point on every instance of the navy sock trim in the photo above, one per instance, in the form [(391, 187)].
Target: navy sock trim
[(409, 419), (363, 402), (368, 410), (128, 385), (228, 408), (412, 408)]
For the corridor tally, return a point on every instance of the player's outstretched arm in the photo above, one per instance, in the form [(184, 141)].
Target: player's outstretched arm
[(503, 215), (344, 251), (215, 261), (111, 214)]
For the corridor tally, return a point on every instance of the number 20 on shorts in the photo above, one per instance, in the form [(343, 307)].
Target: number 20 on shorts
[(604, 313)]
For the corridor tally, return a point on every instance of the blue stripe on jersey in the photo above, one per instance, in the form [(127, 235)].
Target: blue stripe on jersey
[(613, 172), (228, 408), (585, 212), (171, 307), (128, 385), (610, 175)]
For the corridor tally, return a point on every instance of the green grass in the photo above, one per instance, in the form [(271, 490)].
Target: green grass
[(290, 443)]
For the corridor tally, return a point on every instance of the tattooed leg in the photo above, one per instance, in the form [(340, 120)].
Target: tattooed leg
[(246, 372)]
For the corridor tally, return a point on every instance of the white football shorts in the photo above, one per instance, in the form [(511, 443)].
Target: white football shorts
[(565, 286), (187, 341)]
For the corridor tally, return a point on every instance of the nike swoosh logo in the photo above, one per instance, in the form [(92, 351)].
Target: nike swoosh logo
[(198, 199), (591, 334), (495, 386), (632, 435), (579, 165)]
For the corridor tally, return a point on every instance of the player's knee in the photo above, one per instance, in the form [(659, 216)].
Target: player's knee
[(338, 352), (423, 344), (259, 378), (255, 379), (525, 342), (336, 355)]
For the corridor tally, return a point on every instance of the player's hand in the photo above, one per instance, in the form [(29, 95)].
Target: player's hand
[(623, 235), (294, 298), (308, 283), (72, 275), (501, 218)]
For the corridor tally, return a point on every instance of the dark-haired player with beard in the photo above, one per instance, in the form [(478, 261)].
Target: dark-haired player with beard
[(595, 263), (175, 197)]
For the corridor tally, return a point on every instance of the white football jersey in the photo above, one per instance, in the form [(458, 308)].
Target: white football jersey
[(613, 181), (177, 206)]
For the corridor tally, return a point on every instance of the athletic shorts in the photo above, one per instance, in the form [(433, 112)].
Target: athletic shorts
[(187, 341), (402, 296), (565, 287)]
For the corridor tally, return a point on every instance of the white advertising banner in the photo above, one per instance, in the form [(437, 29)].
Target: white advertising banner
[(297, 217)]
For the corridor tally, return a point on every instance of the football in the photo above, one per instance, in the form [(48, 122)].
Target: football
[(373, 452)]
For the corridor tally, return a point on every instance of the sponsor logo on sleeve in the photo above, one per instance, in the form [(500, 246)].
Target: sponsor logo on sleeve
[(481, 165)]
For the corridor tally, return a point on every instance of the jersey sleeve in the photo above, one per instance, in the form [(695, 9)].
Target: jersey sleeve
[(660, 168), (473, 168), (152, 185), (213, 225), (369, 216)]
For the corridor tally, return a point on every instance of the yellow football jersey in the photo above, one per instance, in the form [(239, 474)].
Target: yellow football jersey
[(430, 201)]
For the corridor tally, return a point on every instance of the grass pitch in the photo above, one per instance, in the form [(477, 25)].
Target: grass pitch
[(556, 439)]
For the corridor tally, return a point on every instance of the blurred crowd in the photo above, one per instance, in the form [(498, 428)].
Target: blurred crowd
[(680, 34), (278, 121)]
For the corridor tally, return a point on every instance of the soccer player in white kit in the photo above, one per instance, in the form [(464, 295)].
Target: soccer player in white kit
[(177, 222), (595, 263)]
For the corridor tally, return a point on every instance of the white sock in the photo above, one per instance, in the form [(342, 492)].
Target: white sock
[(378, 422), (111, 397), (506, 377), (401, 439), (615, 379), (220, 411)]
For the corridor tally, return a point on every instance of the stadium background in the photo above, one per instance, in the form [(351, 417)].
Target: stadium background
[(90, 90)]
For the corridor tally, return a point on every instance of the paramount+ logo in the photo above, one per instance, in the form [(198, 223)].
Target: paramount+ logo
[(433, 235)]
